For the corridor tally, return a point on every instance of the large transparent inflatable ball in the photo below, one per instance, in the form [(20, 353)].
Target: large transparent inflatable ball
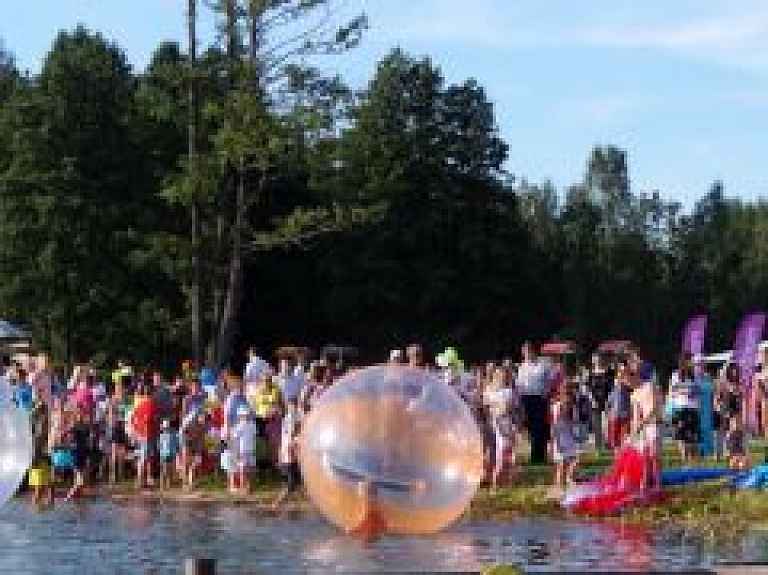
[(16, 446), (391, 449)]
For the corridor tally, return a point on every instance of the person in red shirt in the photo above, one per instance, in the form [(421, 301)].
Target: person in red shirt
[(144, 424)]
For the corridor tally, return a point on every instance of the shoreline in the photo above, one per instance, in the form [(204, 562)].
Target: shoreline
[(708, 507)]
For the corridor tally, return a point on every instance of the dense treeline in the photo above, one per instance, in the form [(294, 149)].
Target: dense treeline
[(239, 195)]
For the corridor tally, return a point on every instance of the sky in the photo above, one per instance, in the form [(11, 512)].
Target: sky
[(682, 86)]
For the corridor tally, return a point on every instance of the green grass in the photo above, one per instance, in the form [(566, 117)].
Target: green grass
[(709, 507)]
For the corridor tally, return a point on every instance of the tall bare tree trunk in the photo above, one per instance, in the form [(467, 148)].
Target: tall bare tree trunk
[(227, 310), (229, 325), (198, 338)]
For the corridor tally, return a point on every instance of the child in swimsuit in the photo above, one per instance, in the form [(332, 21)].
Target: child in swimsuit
[(565, 448), (40, 476), (168, 445)]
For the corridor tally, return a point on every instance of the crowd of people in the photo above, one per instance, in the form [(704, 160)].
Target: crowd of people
[(165, 432)]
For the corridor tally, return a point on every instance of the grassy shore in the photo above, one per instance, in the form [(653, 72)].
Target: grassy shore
[(709, 507)]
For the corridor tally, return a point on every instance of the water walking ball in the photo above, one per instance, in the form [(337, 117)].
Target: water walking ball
[(391, 449), (16, 447)]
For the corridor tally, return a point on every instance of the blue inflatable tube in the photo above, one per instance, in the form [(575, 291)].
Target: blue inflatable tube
[(672, 477), (755, 478)]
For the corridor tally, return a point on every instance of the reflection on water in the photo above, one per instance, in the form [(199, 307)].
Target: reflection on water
[(108, 538)]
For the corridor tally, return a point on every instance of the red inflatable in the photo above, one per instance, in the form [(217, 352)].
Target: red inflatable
[(621, 487)]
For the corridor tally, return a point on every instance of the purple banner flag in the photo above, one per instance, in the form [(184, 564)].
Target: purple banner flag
[(693, 335), (745, 355), (746, 346)]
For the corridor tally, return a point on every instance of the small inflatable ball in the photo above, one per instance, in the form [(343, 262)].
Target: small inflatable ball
[(16, 446), (391, 449)]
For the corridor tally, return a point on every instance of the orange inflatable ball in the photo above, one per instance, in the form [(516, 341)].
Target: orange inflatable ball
[(391, 449)]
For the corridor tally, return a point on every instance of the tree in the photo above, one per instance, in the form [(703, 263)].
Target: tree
[(9, 75), (430, 154), (263, 40), (78, 206)]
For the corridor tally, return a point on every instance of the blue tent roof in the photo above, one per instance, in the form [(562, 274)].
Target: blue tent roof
[(10, 331)]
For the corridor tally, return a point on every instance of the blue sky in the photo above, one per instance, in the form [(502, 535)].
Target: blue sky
[(682, 85)]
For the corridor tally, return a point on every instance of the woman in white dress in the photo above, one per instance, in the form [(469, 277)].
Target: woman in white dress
[(503, 403)]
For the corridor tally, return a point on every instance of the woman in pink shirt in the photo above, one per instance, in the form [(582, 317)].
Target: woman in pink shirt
[(82, 398)]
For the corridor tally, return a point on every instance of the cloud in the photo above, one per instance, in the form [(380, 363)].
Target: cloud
[(729, 34), (437, 21), (734, 39), (606, 108)]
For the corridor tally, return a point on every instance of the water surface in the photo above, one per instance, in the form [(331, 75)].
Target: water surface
[(132, 538)]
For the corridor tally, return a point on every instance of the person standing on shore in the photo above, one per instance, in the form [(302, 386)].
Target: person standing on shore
[(760, 384), (600, 383), (620, 408), (290, 380), (503, 404), (168, 449), (255, 369), (533, 384), (144, 425), (288, 461), (706, 389), (41, 379)]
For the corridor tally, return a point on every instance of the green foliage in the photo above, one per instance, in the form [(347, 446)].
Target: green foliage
[(369, 219), (78, 206)]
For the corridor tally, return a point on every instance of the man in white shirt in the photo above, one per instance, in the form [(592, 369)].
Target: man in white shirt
[(533, 384)]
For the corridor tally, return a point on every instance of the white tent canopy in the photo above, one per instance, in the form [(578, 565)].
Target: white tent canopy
[(725, 356)]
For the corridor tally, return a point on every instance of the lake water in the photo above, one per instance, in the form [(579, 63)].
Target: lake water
[(103, 537)]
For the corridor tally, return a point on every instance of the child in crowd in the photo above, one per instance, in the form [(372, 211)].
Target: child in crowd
[(82, 444), (168, 446), (620, 408), (249, 448), (503, 404), (720, 426), (288, 459), (583, 405), (736, 445), (144, 426), (40, 474), (650, 434), (565, 448), (194, 428)]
